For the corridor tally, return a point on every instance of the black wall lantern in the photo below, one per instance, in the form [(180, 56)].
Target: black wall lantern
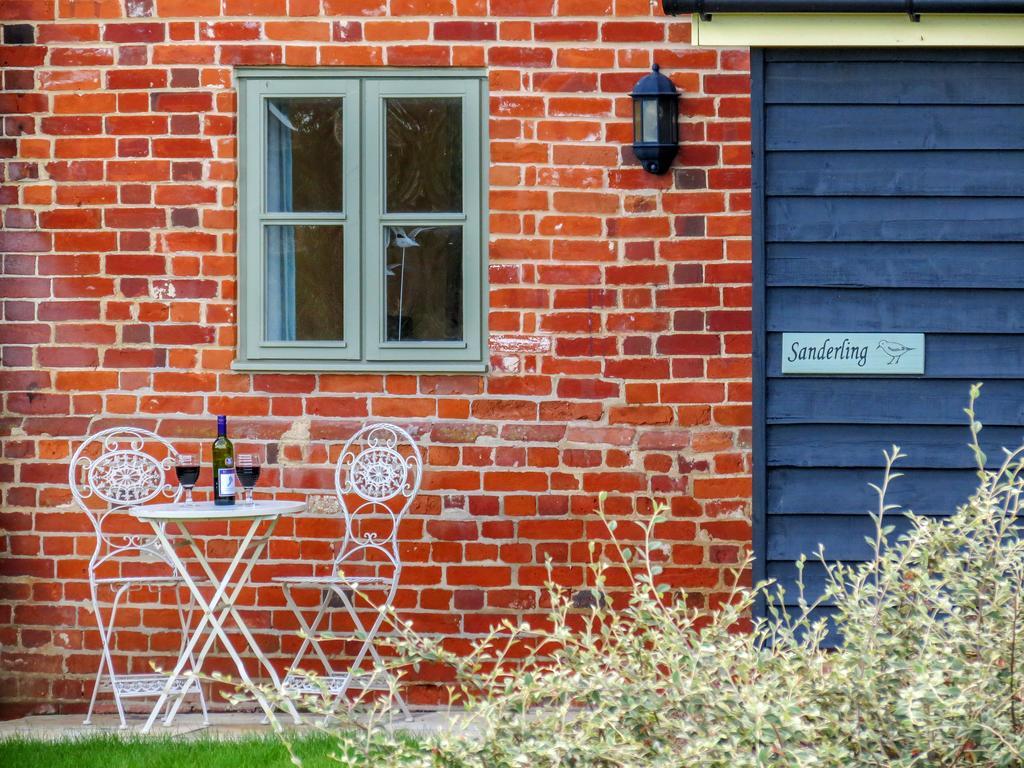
[(655, 121)]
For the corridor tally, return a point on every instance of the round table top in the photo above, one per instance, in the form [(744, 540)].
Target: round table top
[(207, 510)]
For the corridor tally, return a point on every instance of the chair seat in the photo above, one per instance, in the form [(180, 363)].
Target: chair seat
[(144, 684), (334, 579), (154, 580), (314, 684)]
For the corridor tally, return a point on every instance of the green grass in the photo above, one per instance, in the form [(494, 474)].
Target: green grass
[(113, 751)]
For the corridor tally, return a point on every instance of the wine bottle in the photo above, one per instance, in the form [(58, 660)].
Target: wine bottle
[(223, 465)]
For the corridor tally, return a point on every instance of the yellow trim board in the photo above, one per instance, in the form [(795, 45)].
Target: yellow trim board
[(732, 30)]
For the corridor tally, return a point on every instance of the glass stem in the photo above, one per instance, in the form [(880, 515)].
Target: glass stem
[(248, 497), (188, 496)]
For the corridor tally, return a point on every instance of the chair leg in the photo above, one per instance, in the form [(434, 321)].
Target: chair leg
[(309, 631), (95, 692), (375, 655), (398, 696), (367, 646), (106, 660), (404, 707), (185, 619), (310, 642)]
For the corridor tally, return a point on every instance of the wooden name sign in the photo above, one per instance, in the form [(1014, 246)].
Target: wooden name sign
[(874, 354)]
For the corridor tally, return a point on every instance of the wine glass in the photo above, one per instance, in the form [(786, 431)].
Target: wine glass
[(186, 467), (247, 467)]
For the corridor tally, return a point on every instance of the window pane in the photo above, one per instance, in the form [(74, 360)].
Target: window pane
[(304, 140), (424, 155), (423, 281), (305, 283)]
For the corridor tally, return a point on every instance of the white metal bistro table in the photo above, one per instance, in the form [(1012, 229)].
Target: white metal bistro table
[(221, 606)]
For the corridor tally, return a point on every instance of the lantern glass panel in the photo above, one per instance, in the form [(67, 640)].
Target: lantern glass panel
[(650, 121), (667, 121)]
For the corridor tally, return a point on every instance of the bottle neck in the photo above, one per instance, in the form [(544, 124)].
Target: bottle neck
[(222, 426)]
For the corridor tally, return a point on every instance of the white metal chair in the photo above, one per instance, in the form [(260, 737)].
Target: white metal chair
[(111, 471), (377, 477)]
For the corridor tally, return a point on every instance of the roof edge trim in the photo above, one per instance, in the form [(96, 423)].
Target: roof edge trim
[(707, 8)]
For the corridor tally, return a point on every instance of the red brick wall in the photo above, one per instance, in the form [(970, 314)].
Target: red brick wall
[(619, 302)]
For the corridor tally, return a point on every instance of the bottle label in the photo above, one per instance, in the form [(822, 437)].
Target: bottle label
[(226, 482)]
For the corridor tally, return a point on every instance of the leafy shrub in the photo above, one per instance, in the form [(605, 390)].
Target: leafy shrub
[(928, 673)]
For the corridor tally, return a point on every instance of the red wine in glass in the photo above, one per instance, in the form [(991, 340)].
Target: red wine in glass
[(187, 469), (247, 467)]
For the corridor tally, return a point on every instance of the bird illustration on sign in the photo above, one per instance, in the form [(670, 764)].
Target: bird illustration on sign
[(894, 350)]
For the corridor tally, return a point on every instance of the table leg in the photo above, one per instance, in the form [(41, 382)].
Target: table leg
[(217, 622), (230, 610), (207, 618)]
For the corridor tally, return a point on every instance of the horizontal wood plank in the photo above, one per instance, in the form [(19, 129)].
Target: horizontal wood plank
[(879, 219), (930, 492), (798, 400), (843, 536), (893, 174), (788, 578), (894, 56), (889, 82), (861, 445), (874, 126), (896, 265), (909, 310)]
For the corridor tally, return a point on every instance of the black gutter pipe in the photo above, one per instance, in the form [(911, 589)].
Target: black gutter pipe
[(706, 8)]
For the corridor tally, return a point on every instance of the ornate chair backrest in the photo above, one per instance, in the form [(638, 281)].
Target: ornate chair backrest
[(113, 470), (376, 479)]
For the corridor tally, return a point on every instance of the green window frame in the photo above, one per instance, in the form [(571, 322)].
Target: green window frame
[(365, 223)]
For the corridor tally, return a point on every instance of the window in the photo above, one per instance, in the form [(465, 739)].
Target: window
[(362, 227)]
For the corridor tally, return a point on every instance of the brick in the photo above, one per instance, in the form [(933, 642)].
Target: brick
[(452, 530), (229, 30), (632, 31), (261, 8), (419, 56), (351, 55), (481, 576), (551, 529), (136, 79), (565, 31), (25, 242), (501, 56), (134, 358), (182, 148), (336, 406), (22, 103), (419, 7), (250, 55), (522, 7), (188, 101), (187, 8), (465, 30), (134, 33), (721, 488)]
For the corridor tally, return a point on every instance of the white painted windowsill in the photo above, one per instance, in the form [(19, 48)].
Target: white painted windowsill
[(341, 366)]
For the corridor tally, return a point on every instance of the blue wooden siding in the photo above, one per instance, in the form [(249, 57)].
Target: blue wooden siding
[(892, 199)]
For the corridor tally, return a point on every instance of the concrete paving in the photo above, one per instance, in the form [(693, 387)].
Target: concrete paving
[(225, 725)]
